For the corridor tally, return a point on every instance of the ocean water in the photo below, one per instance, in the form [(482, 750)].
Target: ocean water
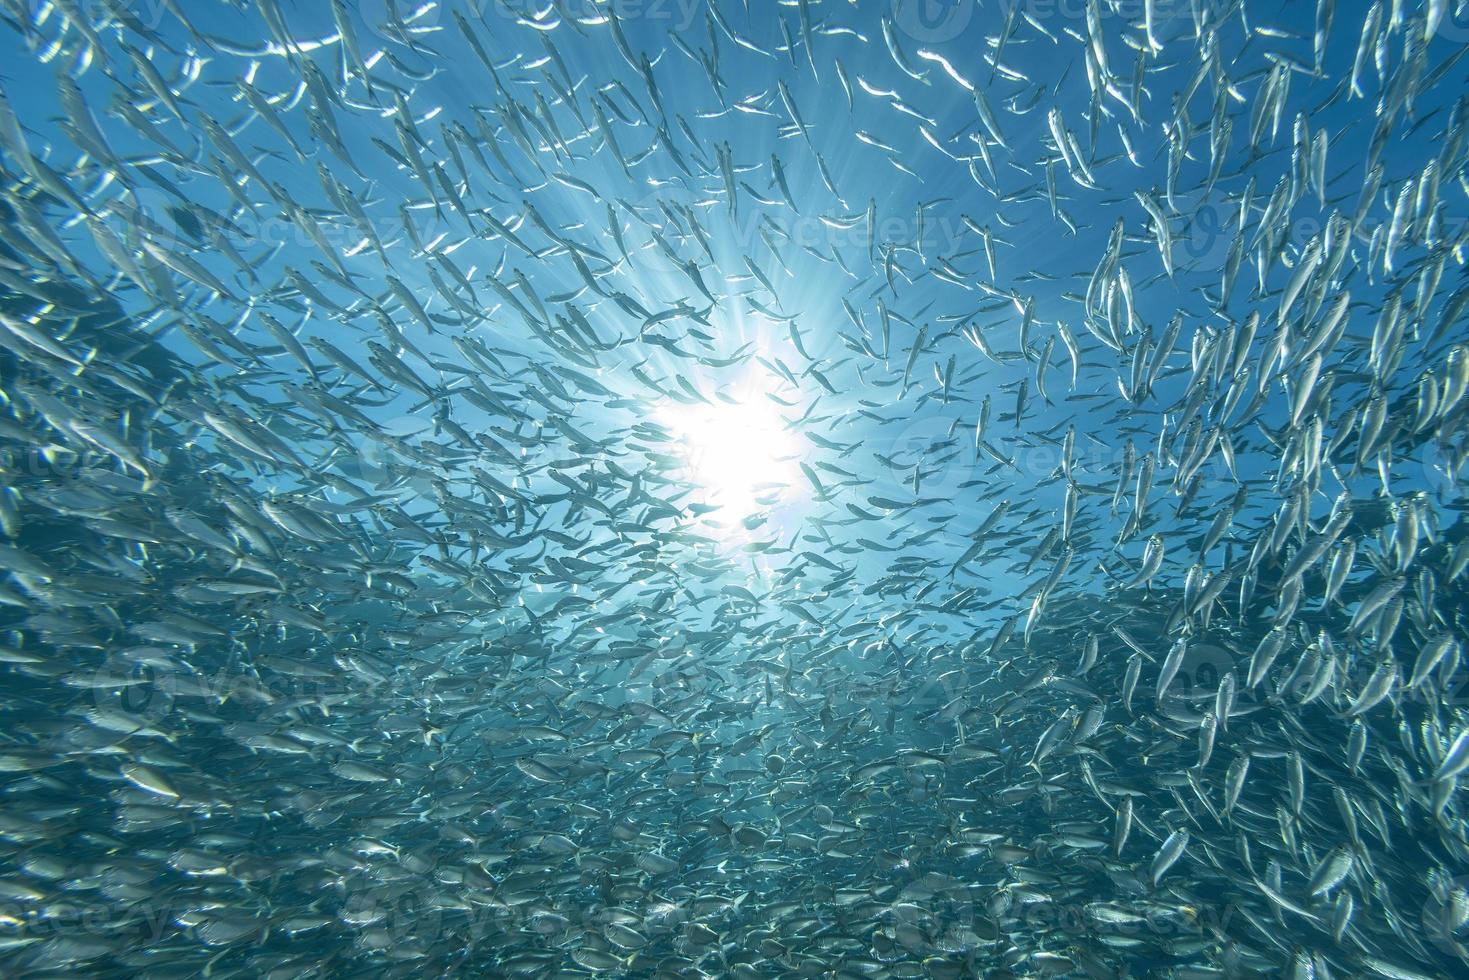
[(652, 488)]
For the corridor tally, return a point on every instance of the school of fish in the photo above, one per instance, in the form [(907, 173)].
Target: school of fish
[(366, 611)]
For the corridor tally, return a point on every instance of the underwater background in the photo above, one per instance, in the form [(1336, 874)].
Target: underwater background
[(655, 488)]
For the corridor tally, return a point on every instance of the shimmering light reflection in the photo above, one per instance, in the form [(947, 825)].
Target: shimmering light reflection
[(739, 454)]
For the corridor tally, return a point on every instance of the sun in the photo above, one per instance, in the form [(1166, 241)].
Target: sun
[(740, 454)]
